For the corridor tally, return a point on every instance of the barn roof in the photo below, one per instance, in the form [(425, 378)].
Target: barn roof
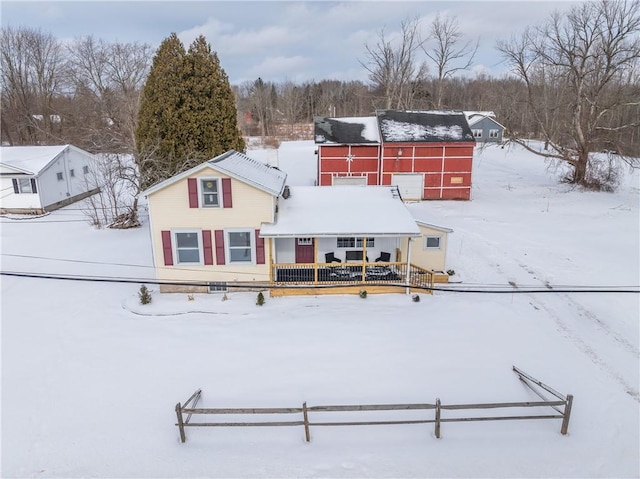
[(236, 165), (331, 211), (432, 126), (349, 130)]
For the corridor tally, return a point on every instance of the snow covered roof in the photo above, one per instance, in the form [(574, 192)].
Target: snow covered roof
[(31, 160), (471, 114), (400, 126), (330, 211), (253, 172), (236, 165), (435, 227), (474, 117), (349, 130)]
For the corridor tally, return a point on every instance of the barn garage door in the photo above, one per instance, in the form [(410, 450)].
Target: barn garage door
[(410, 186), (349, 180)]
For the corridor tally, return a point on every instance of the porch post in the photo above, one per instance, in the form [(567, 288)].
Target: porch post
[(408, 279), (271, 267), (315, 260), (364, 259)]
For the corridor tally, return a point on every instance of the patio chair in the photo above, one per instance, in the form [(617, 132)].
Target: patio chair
[(384, 257), (331, 258)]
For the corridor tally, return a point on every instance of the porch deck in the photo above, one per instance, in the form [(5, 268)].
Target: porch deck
[(351, 274)]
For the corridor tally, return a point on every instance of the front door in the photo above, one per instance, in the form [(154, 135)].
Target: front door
[(304, 250)]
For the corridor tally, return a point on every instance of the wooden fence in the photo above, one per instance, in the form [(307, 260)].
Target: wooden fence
[(561, 407)]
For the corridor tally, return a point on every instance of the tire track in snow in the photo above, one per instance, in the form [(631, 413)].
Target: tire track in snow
[(574, 336)]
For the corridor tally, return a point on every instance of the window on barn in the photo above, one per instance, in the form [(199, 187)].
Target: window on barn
[(85, 170), (493, 133), (59, 176), (432, 242), (72, 173), (210, 192), (477, 133), (240, 246), (187, 247)]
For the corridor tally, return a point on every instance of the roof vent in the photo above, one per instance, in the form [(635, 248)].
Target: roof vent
[(286, 193)]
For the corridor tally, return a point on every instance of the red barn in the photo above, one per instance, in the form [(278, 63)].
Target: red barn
[(427, 154)]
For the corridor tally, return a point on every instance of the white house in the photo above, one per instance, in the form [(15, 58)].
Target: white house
[(36, 179)]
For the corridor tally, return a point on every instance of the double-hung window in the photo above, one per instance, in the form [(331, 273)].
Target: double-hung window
[(493, 133), (477, 133), (187, 247), (432, 242), (209, 193), (240, 246), (24, 186)]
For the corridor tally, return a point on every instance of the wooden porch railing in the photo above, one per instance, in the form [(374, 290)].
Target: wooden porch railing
[(352, 273)]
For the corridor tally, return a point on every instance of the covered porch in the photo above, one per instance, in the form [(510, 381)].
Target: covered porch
[(343, 239)]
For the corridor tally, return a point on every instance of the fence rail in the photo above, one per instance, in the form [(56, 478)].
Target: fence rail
[(189, 409)]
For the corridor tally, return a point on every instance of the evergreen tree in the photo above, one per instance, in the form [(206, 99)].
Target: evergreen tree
[(187, 113)]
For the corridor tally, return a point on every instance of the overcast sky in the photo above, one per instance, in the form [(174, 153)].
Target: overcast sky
[(290, 40)]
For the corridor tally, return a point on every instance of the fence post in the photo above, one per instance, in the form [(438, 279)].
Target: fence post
[(438, 418), (180, 422), (306, 422), (567, 414)]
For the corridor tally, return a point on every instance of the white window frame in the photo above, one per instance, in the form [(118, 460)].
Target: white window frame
[(201, 192), (60, 176), (353, 242), (477, 133), (426, 246), (228, 247), (494, 133), (23, 190), (174, 242), (305, 241)]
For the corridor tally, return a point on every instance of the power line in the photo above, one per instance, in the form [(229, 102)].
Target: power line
[(233, 284)]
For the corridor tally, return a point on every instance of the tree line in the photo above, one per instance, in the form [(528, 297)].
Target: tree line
[(574, 83)]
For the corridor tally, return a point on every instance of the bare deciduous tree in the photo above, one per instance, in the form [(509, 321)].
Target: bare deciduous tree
[(580, 72), (392, 65), (31, 62), (448, 54)]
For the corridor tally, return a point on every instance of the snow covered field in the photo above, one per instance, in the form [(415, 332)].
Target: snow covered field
[(90, 377)]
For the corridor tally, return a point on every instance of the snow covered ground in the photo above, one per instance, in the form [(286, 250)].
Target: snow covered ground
[(90, 377)]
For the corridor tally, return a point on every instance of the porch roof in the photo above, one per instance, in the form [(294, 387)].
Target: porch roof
[(330, 211)]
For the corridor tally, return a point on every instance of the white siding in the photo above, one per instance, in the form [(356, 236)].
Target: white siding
[(409, 185)]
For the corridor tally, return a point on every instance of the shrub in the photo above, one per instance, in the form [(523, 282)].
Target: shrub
[(144, 294), (260, 300), (415, 298), (451, 272), (363, 293)]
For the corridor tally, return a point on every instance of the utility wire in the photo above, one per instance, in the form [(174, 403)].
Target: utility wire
[(231, 284)]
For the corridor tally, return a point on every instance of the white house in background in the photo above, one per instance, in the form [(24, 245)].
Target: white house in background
[(36, 179), (484, 126)]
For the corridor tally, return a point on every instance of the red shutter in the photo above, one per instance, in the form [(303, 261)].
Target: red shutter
[(207, 246), (166, 248), (192, 184), (259, 248), (226, 193), (219, 246)]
